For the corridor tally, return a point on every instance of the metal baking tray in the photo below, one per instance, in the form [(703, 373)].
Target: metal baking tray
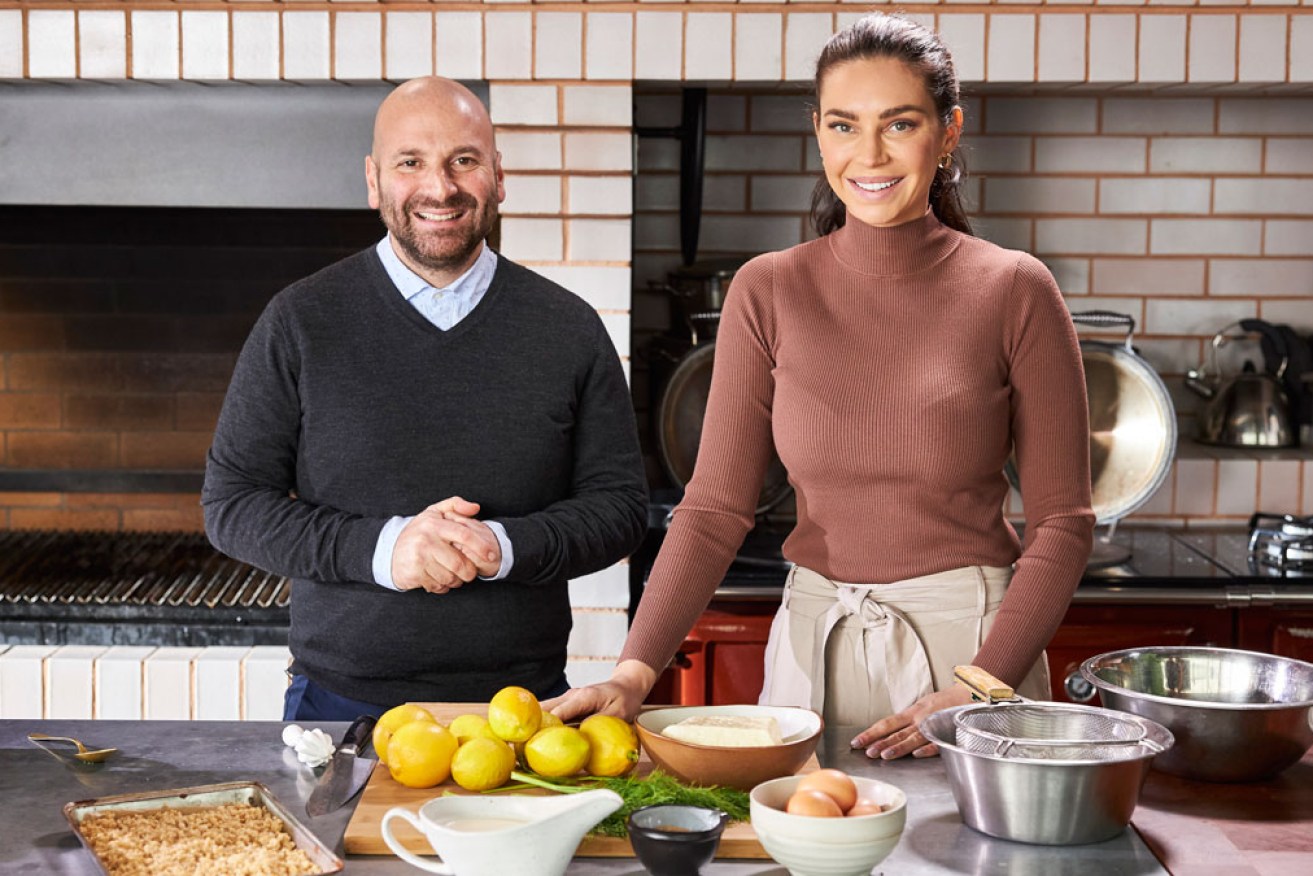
[(201, 796)]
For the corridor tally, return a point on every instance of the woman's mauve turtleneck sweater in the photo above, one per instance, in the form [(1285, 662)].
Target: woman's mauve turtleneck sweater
[(895, 368)]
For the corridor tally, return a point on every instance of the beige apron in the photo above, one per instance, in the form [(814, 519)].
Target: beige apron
[(857, 653)]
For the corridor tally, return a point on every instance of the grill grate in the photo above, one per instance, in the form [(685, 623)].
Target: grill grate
[(174, 569)]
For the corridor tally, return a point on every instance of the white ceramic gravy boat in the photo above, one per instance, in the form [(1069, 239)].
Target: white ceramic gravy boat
[(496, 836)]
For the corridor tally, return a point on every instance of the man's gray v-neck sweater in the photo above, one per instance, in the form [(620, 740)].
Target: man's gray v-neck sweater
[(347, 407)]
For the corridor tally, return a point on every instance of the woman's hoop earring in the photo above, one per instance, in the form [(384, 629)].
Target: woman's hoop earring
[(946, 161)]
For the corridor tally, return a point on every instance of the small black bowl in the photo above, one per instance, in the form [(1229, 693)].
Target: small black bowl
[(672, 840)]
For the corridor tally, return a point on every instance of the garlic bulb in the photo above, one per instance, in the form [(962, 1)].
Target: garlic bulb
[(292, 734)]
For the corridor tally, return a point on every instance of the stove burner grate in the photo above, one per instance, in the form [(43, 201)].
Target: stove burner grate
[(1281, 541)]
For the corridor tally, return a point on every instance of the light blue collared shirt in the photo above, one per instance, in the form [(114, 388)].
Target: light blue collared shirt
[(444, 308)]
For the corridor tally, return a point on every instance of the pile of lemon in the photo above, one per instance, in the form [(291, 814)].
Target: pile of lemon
[(479, 752)]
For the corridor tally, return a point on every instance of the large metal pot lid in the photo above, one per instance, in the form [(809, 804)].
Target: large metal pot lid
[(1132, 422), (679, 427)]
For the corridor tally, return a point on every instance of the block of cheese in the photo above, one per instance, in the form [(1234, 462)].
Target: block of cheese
[(736, 731)]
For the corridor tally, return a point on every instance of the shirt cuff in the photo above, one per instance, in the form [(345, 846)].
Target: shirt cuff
[(387, 542), (507, 552)]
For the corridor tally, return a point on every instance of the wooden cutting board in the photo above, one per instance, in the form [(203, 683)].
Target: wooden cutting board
[(363, 837)]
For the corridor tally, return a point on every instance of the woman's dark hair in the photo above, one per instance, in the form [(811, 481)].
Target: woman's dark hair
[(887, 36)]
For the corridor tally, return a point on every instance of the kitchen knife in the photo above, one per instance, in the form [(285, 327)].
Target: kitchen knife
[(346, 773)]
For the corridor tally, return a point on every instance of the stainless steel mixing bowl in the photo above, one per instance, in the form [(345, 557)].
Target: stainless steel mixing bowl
[(1237, 716), (1049, 802)]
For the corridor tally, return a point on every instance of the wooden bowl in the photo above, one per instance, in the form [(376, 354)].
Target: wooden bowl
[(733, 767)]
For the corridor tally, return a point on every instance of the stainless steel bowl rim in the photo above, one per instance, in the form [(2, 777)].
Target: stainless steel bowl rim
[(1089, 675)]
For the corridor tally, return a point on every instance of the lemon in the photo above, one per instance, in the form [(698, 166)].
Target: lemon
[(556, 752), (612, 743), (514, 714), (466, 727), (391, 720), (420, 753), (482, 764), (550, 720)]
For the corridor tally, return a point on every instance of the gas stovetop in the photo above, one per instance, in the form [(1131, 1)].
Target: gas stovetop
[(1282, 541)]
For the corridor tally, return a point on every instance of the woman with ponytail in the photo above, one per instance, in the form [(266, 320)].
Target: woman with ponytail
[(893, 363)]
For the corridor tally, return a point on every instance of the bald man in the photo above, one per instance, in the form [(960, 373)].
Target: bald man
[(429, 439)]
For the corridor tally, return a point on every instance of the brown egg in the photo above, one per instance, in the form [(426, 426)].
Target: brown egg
[(864, 806), (813, 803), (835, 783)]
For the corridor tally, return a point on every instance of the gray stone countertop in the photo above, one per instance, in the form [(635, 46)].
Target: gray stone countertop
[(160, 755)]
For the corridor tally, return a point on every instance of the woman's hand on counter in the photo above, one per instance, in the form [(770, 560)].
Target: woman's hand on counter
[(897, 735), (621, 695)]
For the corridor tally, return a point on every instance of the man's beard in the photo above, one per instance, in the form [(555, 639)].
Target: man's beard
[(441, 251)]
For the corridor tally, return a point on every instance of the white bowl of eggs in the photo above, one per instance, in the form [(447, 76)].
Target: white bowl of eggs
[(827, 823)]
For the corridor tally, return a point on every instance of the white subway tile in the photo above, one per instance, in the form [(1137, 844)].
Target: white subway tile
[(265, 680), (533, 240), (530, 195), (204, 45), (1094, 236), (1205, 237), (997, 154), (756, 152), (1038, 195), (529, 150), (1041, 115), (587, 151), (522, 104), (68, 681), (657, 154), (219, 683), (1154, 195), (1006, 232), (1158, 115), (758, 47), (607, 588), (1301, 67), (102, 45), (51, 44), (618, 329), (1186, 316), (604, 287), (1205, 155), (1245, 115), (1090, 154), (1293, 312), (1262, 48), (408, 38), (581, 672), (508, 45), (255, 46), (1278, 485), (708, 40), (22, 681), (601, 105), (1162, 48), (1212, 48), (1261, 277), (757, 233), (458, 44), (1196, 486), (305, 46), (358, 46), (725, 112), (1289, 154), (169, 684), (1072, 275), (804, 35), (1062, 48), (1308, 488), (722, 192), (599, 240), (558, 44), (786, 113), (1112, 48), (965, 37), (1148, 277), (155, 45), (784, 194), (1169, 356), (1271, 196), (656, 232), (658, 45), (601, 195), (1237, 486), (609, 46), (11, 44), (657, 192), (119, 678), (1288, 237), (598, 633)]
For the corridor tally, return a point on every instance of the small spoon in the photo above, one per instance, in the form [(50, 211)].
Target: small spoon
[(82, 753)]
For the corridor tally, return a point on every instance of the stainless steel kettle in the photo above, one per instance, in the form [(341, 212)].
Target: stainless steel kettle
[(1249, 409)]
